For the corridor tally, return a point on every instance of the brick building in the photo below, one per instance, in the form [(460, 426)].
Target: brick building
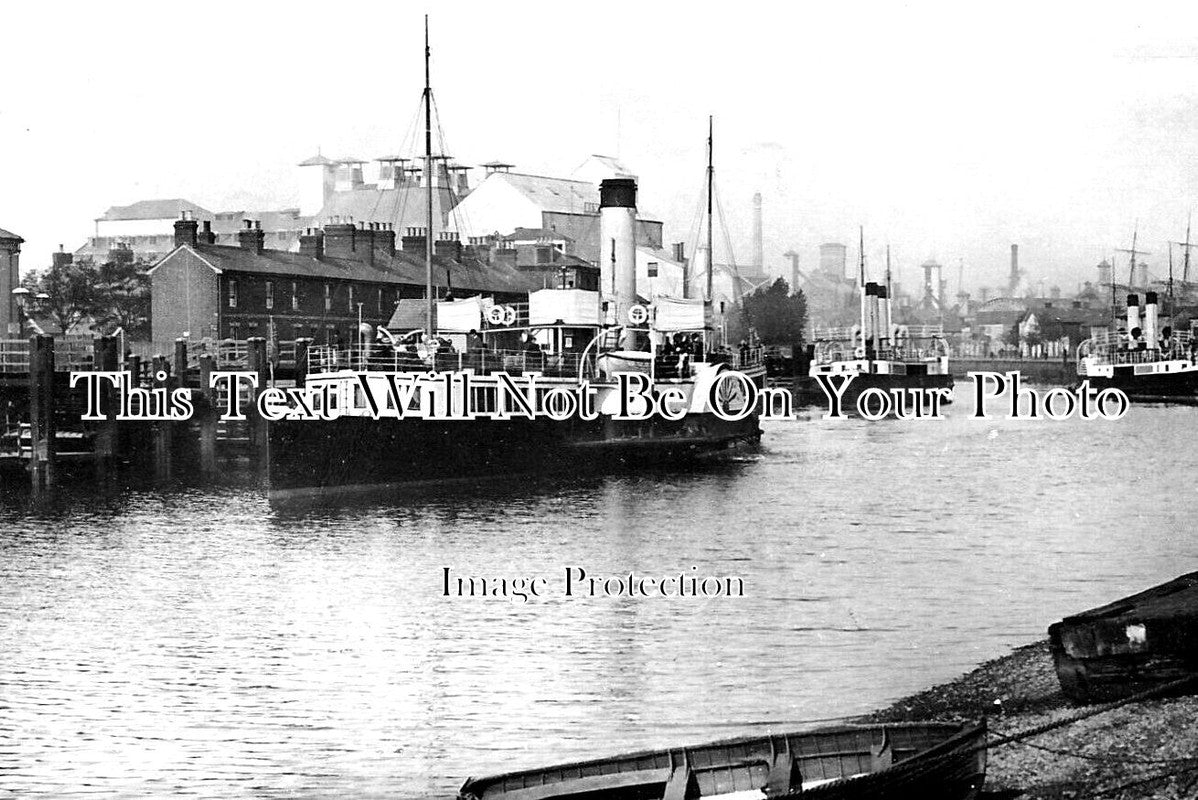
[(203, 289), (10, 278)]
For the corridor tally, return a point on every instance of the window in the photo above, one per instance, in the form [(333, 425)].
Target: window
[(270, 294), (232, 294), (380, 309), (294, 296), (235, 331), (652, 269), (328, 297), (351, 297)]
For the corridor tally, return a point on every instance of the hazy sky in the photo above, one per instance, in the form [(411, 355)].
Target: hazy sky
[(949, 129)]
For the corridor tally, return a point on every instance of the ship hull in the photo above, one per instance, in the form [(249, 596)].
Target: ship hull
[(809, 392), (349, 453), (1156, 386)]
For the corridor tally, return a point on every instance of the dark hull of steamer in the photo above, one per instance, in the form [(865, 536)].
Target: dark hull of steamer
[(350, 453), (808, 391), (1151, 387)]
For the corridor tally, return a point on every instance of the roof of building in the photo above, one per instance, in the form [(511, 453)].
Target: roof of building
[(317, 161), (536, 235), (286, 219), (155, 209), (9, 235), (403, 268), (402, 207), (553, 194)]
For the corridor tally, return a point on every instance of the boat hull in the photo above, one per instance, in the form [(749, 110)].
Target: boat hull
[(1154, 386), (1130, 645), (942, 761), (808, 391), (360, 452)]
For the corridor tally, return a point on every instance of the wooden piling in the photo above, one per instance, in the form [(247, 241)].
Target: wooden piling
[(41, 410), (160, 381), (180, 362), (258, 364), (106, 359), (208, 414), (301, 360)]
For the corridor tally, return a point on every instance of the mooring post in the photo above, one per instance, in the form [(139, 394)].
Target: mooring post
[(301, 360), (256, 356), (208, 414), (133, 366), (106, 359), (181, 362), (41, 410), (160, 381)]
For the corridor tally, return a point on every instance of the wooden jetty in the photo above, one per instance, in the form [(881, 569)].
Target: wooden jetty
[(899, 760), (1126, 646), (44, 434)]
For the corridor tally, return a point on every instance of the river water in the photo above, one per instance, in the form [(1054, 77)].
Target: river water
[(198, 642)]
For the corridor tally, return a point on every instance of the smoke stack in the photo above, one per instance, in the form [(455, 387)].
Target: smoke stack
[(311, 243), (758, 254), (617, 251), (186, 230), (252, 237), (871, 316), (884, 317), (1014, 279), (1150, 320), (1133, 317)]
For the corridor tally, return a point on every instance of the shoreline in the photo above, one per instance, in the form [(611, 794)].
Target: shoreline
[(1107, 755)]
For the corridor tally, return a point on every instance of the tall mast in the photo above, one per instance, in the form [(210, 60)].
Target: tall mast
[(430, 311), (1185, 270), (861, 288), (710, 183), (1170, 279)]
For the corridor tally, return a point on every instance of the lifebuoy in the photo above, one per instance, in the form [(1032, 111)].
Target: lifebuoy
[(495, 315), (509, 315)]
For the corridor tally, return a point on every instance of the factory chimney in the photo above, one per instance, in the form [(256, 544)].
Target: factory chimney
[(617, 252), (1013, 280)]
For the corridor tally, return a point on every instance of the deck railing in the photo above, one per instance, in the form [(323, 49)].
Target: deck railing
[(1112, 347)]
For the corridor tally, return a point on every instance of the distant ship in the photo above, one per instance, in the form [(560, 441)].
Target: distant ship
[(1146, 362), (876, 352)]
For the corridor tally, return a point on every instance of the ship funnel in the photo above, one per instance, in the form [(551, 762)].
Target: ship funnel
[(1133, 318), (871, 317), (1150, 320), (617, 251), (884, 317)]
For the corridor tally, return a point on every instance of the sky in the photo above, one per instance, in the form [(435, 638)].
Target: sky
[(946, 130)]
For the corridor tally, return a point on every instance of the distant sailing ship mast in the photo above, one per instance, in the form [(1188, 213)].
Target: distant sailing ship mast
[(710, 193), (430, 311)]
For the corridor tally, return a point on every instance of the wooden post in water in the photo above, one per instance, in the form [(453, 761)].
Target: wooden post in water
[(181, 362), (160, 380), (41, 410), (301, 360), (106, 359), (208, 414), (256, 356)]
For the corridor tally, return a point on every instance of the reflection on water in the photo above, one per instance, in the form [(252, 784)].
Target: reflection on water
[(203, 642)]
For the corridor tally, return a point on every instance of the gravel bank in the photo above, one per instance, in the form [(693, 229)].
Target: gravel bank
[(1116, 754)]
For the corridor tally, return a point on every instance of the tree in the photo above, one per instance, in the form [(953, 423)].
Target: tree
[(114, 295), (123, 298), (69, 290), (778, 316)]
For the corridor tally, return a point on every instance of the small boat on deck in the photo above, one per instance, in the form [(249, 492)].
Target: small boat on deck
[(1129, 645), (899, 760)]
